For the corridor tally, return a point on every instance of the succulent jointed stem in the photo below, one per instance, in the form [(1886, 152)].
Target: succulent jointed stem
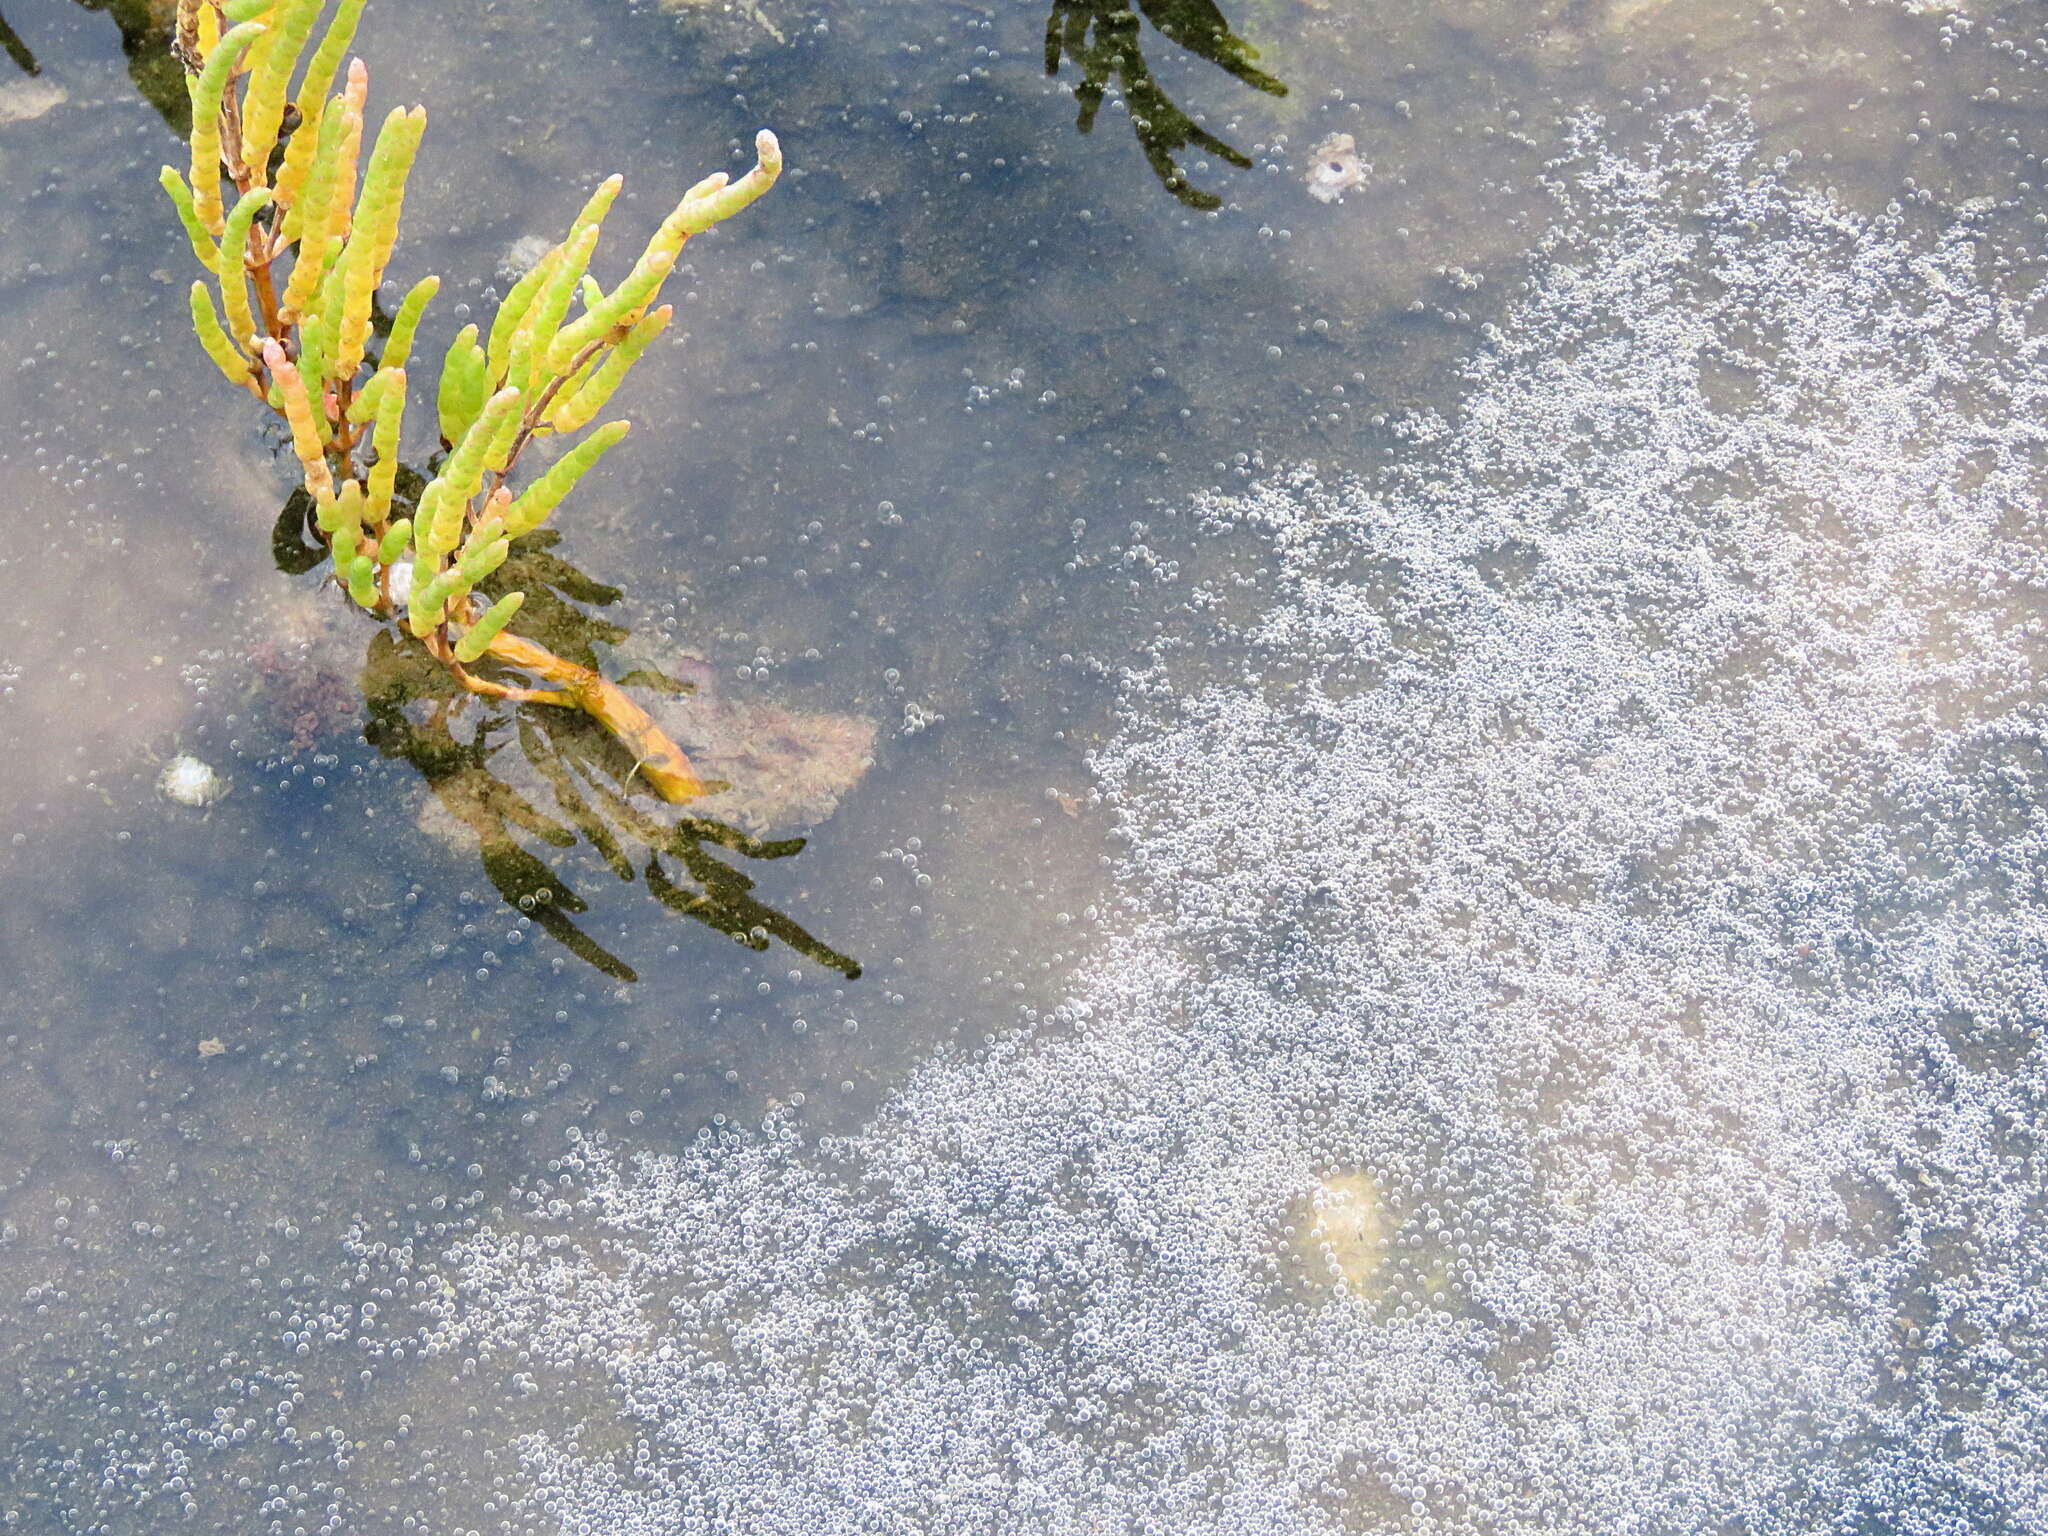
[(302, 344)]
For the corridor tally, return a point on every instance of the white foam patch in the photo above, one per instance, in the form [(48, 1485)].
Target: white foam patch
[(1616, 837)]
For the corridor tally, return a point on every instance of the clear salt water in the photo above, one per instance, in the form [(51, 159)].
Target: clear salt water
[(1423, 815)]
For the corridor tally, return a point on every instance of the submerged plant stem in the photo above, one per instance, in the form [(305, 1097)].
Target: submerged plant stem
[(656, 758)]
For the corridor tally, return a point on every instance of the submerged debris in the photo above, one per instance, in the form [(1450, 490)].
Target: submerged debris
[(783, 769), (23, 101), (1352, 1229), (750, 9), (522, 256), (1335, 168), (773, 770), (186, 780)]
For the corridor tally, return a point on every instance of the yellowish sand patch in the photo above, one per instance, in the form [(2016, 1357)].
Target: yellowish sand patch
[(1351, 1231)]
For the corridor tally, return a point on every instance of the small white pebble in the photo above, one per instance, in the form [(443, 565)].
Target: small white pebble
[(188, 781)]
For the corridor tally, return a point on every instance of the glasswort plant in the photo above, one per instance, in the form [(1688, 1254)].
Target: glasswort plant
[(297, 253)]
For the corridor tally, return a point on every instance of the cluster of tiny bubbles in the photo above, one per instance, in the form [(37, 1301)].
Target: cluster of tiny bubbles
[(1565, 1059)]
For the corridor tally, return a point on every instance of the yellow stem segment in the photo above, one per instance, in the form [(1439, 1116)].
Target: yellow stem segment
[(659, 760)]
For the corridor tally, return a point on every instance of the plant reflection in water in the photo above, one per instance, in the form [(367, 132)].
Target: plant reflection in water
[(145, 39), (1102, 38), (459, 743), (17, 50)]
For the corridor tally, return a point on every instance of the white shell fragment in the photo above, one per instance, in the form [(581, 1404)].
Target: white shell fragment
[(1335, 168), (522, 256), (23, 101), (188, 781)]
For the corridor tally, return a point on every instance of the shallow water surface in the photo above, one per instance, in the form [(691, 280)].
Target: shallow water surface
[(1421, 814)]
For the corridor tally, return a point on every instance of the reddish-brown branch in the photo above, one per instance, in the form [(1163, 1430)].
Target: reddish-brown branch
[(537, 412)]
